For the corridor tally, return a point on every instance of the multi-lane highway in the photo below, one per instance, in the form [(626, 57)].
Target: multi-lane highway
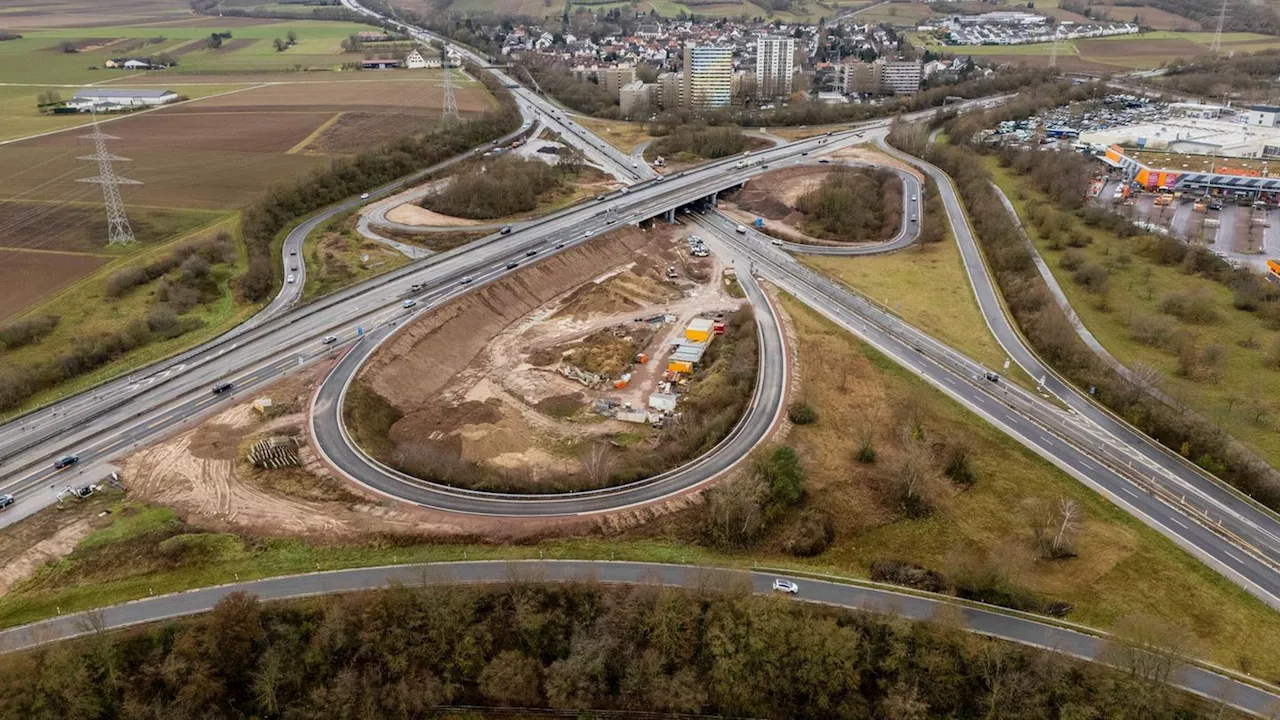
[(1215, 686), (112, 419), (1228, 532)]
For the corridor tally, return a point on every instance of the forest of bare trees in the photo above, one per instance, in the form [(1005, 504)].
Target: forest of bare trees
[(404, 653)]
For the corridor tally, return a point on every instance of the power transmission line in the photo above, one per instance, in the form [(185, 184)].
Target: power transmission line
[(118, 230), (1216, 47), (450, 103)]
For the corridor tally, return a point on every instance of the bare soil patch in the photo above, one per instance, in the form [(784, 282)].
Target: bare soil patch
[(249, 131), (28, 277), (1067, 63), (1166, 47), (774, 196), (1147, 16), (489, 381), (229, 46), (425, 96), (81, 44), (82, 228), (409, 214), (355, 132)]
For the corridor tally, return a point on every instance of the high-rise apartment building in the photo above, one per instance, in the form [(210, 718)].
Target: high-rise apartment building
[(670, 90), (708, 76), (615, 78), (775, 66), (900, 77), (882, 77), (636, 98)]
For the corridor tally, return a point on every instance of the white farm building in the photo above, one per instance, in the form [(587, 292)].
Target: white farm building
[(117, 97)]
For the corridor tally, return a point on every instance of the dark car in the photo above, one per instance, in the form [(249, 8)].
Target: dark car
[(513, 265), (221, 388), (993, 377), (505, 230), (531, 253), (65, 461), (5, 501)]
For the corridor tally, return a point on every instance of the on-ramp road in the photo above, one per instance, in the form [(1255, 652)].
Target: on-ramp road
[(991, 622)]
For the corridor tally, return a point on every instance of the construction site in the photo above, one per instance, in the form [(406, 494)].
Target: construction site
[(571, 373)]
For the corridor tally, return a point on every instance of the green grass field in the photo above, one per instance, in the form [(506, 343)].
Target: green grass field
[(35, 58), (928, 288), (1121, 566), (337, 256), (1137, 286)]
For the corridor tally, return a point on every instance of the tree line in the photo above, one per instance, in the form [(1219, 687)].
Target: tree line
[(696, 141), (406, 653), (854, 205), (1249, 75), (188, 276), (285, 202), (1046, 327), (502, 187)]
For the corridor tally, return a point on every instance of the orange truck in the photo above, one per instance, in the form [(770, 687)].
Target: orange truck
[(1273, 268)]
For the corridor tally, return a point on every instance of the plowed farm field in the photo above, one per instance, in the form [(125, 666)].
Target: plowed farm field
[(196, 162), (28, 277)]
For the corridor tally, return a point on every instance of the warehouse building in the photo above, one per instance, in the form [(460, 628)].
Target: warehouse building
[(108, 98)]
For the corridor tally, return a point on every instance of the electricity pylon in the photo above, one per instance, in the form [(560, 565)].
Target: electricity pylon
[(450, 103), (1216, 47), (118, 230)]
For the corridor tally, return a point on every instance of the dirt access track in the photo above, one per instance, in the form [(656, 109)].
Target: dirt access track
[(481, 380)]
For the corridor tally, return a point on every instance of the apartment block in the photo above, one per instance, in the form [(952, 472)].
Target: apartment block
[(637, 98), (882, 77), (708, 76), (775, 67)]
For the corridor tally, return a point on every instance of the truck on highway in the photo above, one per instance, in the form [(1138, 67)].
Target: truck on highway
[(746, 163)]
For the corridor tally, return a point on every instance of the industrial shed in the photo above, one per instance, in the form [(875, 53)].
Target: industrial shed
[(120, 96)]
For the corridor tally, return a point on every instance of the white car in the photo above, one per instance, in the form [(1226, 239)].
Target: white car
[(290, 280), (913, 198), (775, 242), (409, 303), (364, 196), (329, 340), (785, 586)]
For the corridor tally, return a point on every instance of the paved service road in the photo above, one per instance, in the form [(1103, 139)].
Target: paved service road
[(991, 622)]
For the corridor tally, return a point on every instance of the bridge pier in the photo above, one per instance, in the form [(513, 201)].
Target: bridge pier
[(671, 216)]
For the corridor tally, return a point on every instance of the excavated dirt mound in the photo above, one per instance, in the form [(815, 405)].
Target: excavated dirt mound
[(414, 367)]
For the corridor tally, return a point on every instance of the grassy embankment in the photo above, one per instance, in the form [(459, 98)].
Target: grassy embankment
[(621, 134), (1119, 566), (337, 256), (87, 311), (1242, 398)]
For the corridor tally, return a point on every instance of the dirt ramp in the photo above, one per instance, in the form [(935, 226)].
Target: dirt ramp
[(414, 367)]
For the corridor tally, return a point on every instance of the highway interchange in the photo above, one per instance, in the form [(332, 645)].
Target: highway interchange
[(1228, 532)]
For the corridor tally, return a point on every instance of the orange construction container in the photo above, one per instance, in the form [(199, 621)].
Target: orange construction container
[(680, 366)]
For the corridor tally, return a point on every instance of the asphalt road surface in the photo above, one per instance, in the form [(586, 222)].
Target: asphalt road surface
[(991, 622), (343, 454)]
